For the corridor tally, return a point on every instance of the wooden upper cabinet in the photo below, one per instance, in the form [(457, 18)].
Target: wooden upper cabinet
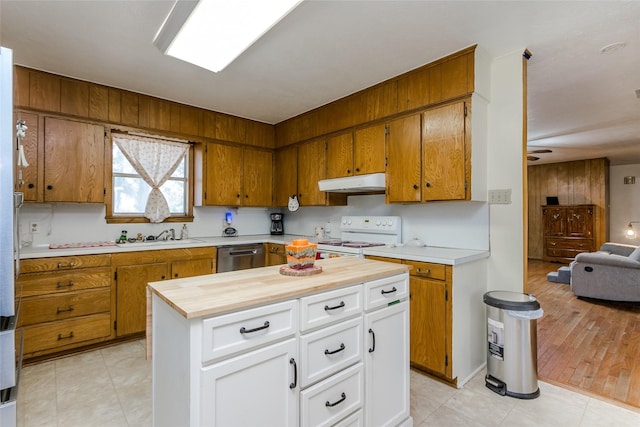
[(129, 108), (444, 153), (340, 155), (74, 99), (44, 91), (27, 177), (368, 149), (99, 102), (446, 79), (260, 134), (311, 169), (223, 175), (230, 128), (403, 159), (257, 177), (285, 175), (73, 161), (20, 86)]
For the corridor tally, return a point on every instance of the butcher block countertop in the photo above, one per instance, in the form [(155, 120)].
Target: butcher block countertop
[(214, 294)]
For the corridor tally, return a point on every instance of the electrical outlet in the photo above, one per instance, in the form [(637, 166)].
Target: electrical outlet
[(500, 197), (35, 228)]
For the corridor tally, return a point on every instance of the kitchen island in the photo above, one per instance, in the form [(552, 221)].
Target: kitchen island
[(255, 347)]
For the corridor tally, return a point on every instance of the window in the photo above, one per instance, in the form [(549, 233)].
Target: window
[(130, 190)]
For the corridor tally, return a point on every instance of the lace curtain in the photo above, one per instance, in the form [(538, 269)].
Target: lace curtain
[(154, 160)]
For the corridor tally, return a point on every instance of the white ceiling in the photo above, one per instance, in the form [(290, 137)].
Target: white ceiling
[(582, 104)]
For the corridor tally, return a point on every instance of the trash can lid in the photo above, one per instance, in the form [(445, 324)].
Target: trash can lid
[(515, 301)]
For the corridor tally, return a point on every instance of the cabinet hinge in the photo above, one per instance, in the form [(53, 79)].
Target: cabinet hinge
[(105, 133), (465, 111), (115, 276), (446, 360), (205, 195), (386, 130), (466, 185), (115, 325), (104, 191), (386, 162), (446, 294)]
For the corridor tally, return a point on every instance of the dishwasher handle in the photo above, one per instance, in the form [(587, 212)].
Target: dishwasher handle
[(244, 252)]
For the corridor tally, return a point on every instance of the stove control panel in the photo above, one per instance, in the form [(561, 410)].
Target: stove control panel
[(371, 224)]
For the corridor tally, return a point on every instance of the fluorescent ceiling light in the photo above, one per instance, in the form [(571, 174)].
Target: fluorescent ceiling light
[(212, 33)]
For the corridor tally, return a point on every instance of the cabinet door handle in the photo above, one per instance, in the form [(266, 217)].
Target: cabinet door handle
[(60, 285), (66, 337), (244, 330), (427, 184), (339, 349), (335, 307), (383, 292), (415, 186), (426, 272), (294, 384), (331, 405), (49, 187), (373, 335), (30, 185), (64, 310), (348, 170), (70, 264)]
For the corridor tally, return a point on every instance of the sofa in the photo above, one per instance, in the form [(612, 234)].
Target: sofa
[(612, 273)]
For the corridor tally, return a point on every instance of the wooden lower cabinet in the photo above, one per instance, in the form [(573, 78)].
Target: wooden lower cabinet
[(274, 254), (431, 309), (133, 270), (66, 303)]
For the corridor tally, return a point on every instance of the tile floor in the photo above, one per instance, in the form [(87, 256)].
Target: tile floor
[(112, 387)]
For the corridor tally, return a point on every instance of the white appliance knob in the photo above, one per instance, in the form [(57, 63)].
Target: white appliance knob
[(344, 221), (349, 221), (390, 222), (378, 223), (384, 223)]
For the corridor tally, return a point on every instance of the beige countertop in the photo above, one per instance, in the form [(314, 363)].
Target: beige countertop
[(449, 256), (220, 293)]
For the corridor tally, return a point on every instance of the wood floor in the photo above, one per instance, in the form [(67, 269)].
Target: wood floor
[(587, 345)]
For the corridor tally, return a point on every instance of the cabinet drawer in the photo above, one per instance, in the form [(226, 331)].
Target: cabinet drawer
[(329, 350), (427, 269), (329, 307), (36, 265), (47, 283), (328, 402), (354, 420), (53, 335), (65, 305), (379, 293), (582, 245), (235, 332)]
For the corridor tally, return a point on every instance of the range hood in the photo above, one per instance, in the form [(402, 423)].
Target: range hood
[(370, 183)]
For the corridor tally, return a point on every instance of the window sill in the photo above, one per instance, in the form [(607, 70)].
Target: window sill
[(123, 219)]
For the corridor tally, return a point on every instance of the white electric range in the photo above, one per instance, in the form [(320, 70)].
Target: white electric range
[(360, 232)]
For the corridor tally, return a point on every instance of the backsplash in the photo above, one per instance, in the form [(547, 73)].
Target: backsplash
[(446, 224)]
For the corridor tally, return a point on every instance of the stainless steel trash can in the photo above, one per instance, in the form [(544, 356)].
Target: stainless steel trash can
[(512, 344)]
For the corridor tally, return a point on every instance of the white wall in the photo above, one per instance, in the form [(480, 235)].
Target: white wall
[(70, 223), (624, 203), (505, 171)]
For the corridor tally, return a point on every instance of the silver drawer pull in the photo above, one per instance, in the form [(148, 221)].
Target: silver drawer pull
[(64, 310), (335, 307), (331, 405), (339, 349), (60, 285), (244, 330)]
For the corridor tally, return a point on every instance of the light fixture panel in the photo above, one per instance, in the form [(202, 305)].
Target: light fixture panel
[(215, 32)]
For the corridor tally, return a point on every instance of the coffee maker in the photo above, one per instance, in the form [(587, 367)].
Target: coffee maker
[(277, 227)]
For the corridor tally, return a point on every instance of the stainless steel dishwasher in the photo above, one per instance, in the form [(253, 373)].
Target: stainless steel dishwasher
[(239, 257)]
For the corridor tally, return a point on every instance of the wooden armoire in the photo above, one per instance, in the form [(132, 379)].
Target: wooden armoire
[(568, 230)]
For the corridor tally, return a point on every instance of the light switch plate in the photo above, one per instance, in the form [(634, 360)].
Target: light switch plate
[(500, 197)]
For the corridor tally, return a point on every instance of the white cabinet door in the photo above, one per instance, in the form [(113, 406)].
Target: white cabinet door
[(386, 353), (259, 388)]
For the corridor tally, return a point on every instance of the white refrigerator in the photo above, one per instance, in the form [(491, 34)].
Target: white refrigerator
[(9, 245)]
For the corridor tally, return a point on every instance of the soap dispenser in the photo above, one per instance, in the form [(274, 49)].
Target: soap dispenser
[(184, 234)]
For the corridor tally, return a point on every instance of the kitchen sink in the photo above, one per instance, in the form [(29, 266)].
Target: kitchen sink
[(165, 242)]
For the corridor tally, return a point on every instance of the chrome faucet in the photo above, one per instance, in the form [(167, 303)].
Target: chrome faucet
[(169, 234)]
